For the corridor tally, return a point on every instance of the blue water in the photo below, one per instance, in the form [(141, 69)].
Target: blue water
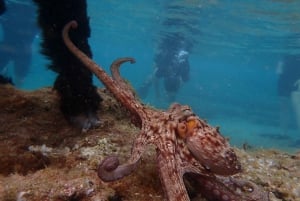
[(237, 46)]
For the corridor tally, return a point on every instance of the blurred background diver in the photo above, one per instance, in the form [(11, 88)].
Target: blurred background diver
[(289, 92), (18, 34), (171, 58), (171, 67)]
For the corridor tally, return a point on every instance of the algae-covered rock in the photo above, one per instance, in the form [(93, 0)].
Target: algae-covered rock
[(43, 158)]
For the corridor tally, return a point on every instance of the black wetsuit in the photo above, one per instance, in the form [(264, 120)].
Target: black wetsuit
[(172, 62)]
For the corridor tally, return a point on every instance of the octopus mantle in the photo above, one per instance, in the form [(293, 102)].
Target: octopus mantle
[(186, 145)]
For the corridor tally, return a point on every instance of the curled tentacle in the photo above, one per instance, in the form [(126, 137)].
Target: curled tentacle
[(125, 97), (88, 62), (72, 24), (110, 170), (115, 69), (115, 72), (226, 188)]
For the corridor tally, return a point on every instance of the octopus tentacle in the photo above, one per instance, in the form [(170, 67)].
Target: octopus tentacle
[(90, 64), (226, 188), (110, 170), (115, 72), (211, 188), (250, 189), (174, 177), (121, 95)]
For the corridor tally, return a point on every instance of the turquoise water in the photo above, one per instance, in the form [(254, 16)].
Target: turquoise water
[(237, 48)]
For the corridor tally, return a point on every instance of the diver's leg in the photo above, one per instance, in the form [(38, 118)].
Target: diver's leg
[(79, 97)]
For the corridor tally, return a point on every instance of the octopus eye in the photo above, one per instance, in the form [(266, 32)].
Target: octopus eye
[(192, 124), (181, 130)]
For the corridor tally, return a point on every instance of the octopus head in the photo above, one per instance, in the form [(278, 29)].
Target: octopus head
[(208, 146)]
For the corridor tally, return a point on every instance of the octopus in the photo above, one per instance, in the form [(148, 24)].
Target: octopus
[(188, 149)]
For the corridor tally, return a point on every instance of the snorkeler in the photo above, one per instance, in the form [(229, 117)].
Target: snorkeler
[(19, 27), (171, 67), (171, 59), (288, 90)]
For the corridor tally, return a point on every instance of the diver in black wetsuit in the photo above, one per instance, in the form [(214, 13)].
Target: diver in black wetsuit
[(171, 60), (18, 21), (171, 66)]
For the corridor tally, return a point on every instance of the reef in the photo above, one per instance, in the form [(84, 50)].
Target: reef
[(44, 158)]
